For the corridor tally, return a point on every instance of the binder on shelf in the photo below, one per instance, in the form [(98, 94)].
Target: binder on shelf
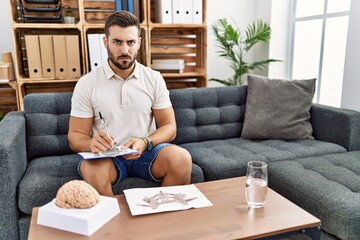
[(60, 55), (177, 11), (125, 5), (118, 5), (94, 50), (47, 55), (130, 6), (73, 55), (33, 56), (103, 50), (163, 11), (188, 11), (197, 11)]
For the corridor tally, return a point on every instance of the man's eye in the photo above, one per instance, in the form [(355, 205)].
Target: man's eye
[(131, 43), (117, 42)]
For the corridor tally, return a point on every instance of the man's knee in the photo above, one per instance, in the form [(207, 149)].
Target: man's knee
[(97, 169), (174, 160), (181, 162)]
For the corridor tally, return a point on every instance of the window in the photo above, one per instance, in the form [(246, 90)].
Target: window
[(319, 46)]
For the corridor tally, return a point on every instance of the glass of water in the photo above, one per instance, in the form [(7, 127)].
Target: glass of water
[(256, 183)]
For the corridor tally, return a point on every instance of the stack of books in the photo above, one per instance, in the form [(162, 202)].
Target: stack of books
[(168, 65)]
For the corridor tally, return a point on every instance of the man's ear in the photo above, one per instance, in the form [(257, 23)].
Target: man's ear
[(139, 43), (105, 41)]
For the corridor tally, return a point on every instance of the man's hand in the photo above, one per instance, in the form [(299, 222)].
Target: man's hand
[(101, 142), (137, 144)]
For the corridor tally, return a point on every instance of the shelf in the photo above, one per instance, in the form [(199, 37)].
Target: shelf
[(50, 85), (8, 96), (44, 80), (47, 25), (180, 26), (159, 41), (11, 83), (182, 75)]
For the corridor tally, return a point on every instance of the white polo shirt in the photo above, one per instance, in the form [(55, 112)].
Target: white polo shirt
[(125, 104)]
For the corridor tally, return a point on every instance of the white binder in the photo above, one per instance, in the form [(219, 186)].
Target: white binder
[(178, 11), (163, 11), (197, 11), (188, 11), (94, 50), (103, 50)]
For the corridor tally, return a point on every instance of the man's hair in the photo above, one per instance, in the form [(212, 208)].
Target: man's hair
[(123, 19)]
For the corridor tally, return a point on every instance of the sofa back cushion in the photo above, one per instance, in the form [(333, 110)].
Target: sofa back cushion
[(208, 113), (47, 122)]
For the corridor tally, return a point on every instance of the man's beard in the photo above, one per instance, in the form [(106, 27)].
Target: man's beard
[(121, 64)]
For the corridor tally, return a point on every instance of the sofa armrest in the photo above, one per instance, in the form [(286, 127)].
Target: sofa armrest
[(13, 163), (336, 125)]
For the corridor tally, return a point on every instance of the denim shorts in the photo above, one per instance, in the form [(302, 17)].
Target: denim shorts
[(140, 168)]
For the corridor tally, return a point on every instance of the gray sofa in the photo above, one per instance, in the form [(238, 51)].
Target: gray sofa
[(320, 175)]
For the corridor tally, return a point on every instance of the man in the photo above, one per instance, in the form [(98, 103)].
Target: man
[(135, 104)]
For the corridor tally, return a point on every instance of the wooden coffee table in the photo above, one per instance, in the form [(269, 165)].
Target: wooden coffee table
[(228, 218)]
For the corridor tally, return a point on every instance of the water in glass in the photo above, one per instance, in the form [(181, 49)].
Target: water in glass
[(256, 184)]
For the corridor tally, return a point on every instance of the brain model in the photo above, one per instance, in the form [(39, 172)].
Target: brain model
[(77, 194)]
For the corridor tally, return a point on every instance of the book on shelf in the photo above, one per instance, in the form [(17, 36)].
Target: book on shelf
[(168, 61), (169, 65), (170, 70)]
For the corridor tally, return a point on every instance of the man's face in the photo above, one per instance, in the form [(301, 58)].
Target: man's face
[(122, 46)]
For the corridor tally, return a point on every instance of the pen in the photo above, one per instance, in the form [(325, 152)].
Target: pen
[(103, 123), (105, 128)]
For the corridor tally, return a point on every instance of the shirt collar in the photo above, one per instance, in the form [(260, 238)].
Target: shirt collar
[(110, 73)]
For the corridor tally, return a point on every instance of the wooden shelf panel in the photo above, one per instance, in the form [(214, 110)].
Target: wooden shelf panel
[(46, 25), (173, 25), (8, 96), (44, 80)]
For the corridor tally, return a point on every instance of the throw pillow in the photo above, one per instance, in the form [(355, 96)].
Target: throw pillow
[(278, 109)]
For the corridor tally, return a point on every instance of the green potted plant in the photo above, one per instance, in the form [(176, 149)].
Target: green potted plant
[(234, 45)]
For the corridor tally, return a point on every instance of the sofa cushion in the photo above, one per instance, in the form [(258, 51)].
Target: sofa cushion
[(278, 109), (227, 158), (45, 175), (326, 186), (208, 113), (47, 124)]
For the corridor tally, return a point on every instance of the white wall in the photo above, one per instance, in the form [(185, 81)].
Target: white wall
[(6, 41), (279, 44), (243, 13), (351, 83)]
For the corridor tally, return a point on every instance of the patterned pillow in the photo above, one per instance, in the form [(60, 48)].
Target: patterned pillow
[(278, 109)]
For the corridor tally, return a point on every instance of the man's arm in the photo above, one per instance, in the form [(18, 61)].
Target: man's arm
[(166, 126), (80, 138)]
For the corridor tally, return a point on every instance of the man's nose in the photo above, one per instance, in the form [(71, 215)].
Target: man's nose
[(124, 49)]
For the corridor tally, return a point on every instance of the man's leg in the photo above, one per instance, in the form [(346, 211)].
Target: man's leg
[(173, 164), (100, 174)]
